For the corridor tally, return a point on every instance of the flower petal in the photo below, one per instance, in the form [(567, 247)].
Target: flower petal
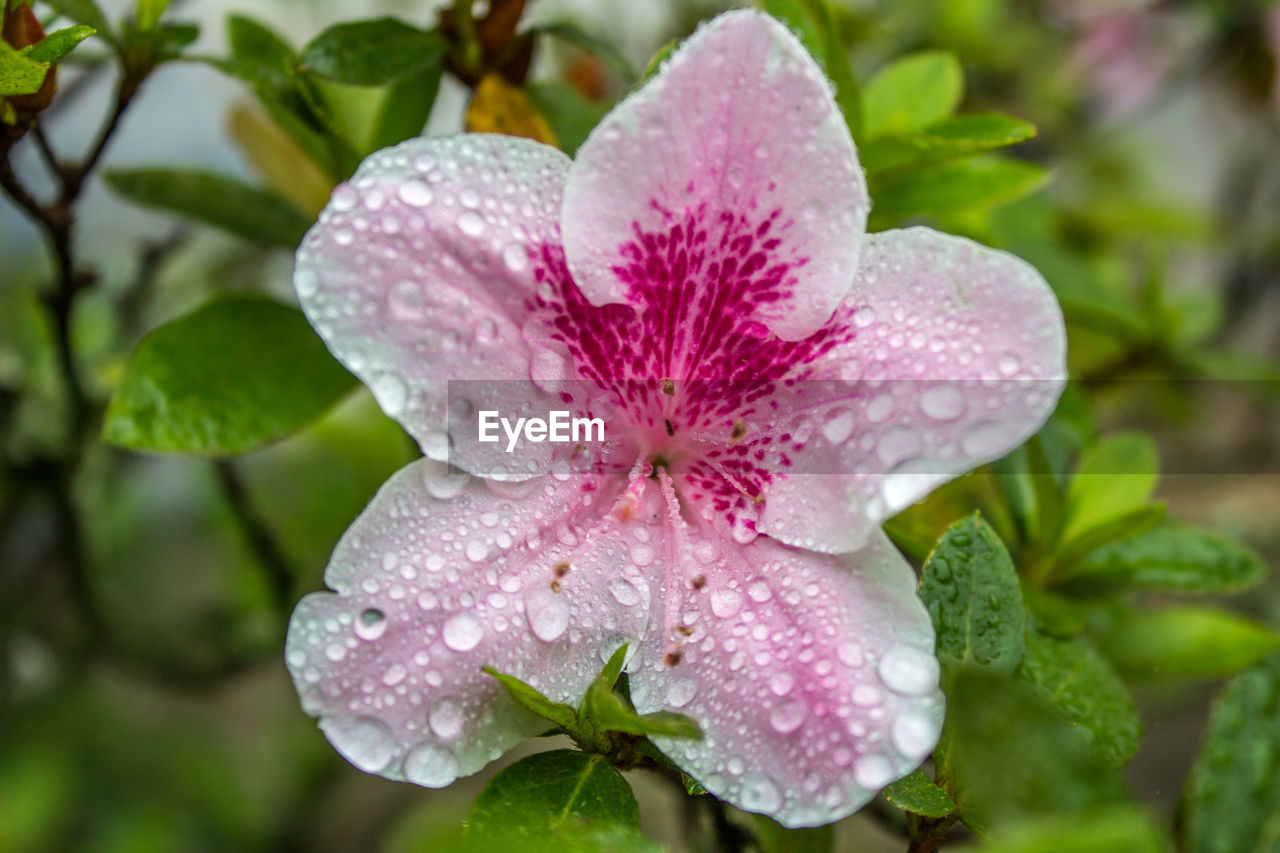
[(727, 188), (420, 270), (444, 574), (952, 355), (812, 676)]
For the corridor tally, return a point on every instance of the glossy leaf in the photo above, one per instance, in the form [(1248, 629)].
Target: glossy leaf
[(604, 710), (58, 44), (552, 793), (531, 699), (1113, 477), (217, 200), (971, 590), (374, 52), (231, 376), (19, 74), (918, 794), (1080, 684), (1232, 800), (1010, 756), (405, 108), (84, 12), (957, 136), (1188, 642), (959, 184), (1175, 558), (911, 93), (1116, 529)]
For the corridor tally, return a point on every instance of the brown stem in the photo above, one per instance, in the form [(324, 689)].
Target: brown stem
[(259, 537)]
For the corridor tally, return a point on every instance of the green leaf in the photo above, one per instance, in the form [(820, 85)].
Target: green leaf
[(911, 93), (773, 837), (1111, 830), (147, 13), (605, 710), (1113, 477), (84, 12), (798, 17), (232, 376), (532, 699), (1232, 799), (375, 52), (951, 138), (1176, 558), (58, 44), (918, 794), (1080, 684), (261, 49), (553, 793), (19, 74), (1121, 527), (660, 56), (971, 590), (570, 116), (813, 24), (955, 185), (601, 48), (1010, 756), (217, 200), (1188, 642), (405, 108), (160, 44)]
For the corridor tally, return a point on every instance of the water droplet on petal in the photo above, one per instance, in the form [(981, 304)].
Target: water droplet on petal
[(873, 771), (760, 794), (440, 482), (463, 632), (431, 766), (394, 675), (446, 718), (365, 742), (415, 193), (786, 718), (624, 592), (471, 223), (781, 683), (515, 256), (726, 603), (839, 426), (390, 391), (680, 691), (1009, 364), (913, 734), (909, 671), (942, 402), (370, 624), (405, 300), (477, 550), (548, 614)]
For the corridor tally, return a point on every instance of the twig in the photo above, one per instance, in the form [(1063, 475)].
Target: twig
[(259, 537)]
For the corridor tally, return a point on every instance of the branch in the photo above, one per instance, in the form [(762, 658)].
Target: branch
[(259, 537)]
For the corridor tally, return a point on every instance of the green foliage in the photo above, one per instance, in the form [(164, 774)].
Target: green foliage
[(1188, 641), (948, 139), (1114, 477), (561, 800), (971, 590), (1009, 756), (1232, 799), (58, 44), (85, 12), (1173, 557), (374, 52), (814, 24), (216, 200), (955, 185), (232, 376), (918, 794), (1109, 830), (603, 710), (19, 73), (773, 837), (572, 33), (912, 93), (570, 116), (1080, 684)]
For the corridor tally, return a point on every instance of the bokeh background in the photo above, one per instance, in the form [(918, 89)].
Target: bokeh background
[(176, 727)]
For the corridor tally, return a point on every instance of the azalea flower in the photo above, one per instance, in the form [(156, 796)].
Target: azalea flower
[(782, 383)]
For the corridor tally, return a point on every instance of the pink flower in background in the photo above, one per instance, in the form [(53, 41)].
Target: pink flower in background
[(703, 264)]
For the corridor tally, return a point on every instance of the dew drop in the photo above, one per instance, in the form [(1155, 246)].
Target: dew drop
[(1008, 364), (913, 734), (515, 256), (781, 683), (548, 614), (864, 317), (624, 592), (440, 483), (942, 402), (760, 794), (726, 603), (370, 624), (839, 426), (405, 300), (365, 742), (431, 766), (390, 391), (873, 771), (909, 671), (786, 718), (477, 550), (415, 193), (471, 223), (680, 691), (394, 675), (446, 718), (463, 632)]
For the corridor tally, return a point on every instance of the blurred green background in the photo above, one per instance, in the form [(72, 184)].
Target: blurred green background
[(144, 704)]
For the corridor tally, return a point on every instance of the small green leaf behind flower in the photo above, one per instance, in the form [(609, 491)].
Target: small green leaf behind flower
[(920, 795)]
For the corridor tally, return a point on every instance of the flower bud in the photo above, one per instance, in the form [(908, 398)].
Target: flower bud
[(21, 29)]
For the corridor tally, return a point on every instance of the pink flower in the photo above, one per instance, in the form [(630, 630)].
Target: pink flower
[(703, 255)]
